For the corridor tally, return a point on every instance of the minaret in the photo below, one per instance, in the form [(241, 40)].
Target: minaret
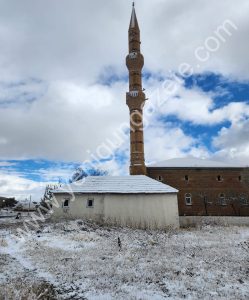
[(135, 98)]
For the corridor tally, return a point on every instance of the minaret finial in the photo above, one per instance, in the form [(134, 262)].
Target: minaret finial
[(133, 3)]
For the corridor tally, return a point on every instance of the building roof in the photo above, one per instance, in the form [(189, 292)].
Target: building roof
[(137, 184), (191, 162)]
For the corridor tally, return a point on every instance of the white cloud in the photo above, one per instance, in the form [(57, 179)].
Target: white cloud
[(233, 142), (55, 174), (164, 141), (61, 40), (171, 97), (177, 28), (14, 185), (64, 124), (73, 120), (6, 164), (199, 108), (14, 93), (114, 168)]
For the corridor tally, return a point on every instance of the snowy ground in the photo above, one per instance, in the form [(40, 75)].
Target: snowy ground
[(8, 216), (79, 260)]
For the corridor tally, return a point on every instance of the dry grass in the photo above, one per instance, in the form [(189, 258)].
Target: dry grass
[(24, 290), (3, 243)]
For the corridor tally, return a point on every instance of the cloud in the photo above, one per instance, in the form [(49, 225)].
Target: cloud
[(233, 142), (59, 40), (170, 97), (6, 164), (177, 28), (55, 174), (14, 185), (64, 124), (74, 123), (169, 142), (195, 106), (21, 92)]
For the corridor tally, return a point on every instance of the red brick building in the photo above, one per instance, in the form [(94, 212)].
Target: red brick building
[(206, 188)]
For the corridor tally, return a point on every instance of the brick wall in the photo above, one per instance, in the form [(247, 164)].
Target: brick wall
[(213, 191)]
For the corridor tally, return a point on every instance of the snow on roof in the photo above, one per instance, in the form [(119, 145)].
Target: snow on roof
[(136, 184), (191, 162)]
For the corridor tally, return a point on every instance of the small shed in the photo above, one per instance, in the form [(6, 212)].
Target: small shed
[(136, 201)]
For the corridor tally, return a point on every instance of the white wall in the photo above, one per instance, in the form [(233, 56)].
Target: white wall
[(146, 211), (78, 207), (139, 211)]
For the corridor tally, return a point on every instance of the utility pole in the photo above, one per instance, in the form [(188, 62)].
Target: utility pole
[(29, 203)]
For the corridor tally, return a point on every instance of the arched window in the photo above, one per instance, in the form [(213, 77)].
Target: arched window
[(188, 199), (222, 199), (243, 200), (219, 178), (186, 178), (159, 178)]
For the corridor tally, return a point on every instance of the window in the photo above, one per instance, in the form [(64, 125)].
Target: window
[(134, 93), (205, 198), (66, 203), (186, 177), (135, 73), (160, 178), (239, 178), (222, 199), (90, 202), (243, 200), (188, 199), (219, 178)]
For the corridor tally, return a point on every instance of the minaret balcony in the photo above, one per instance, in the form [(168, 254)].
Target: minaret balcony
[(135, 99), (134, 94)]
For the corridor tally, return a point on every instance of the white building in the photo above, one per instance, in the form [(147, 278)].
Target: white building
[(136, 201)]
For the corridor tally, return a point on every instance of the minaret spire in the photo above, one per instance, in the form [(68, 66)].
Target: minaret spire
[(135, 98), (134, 22)]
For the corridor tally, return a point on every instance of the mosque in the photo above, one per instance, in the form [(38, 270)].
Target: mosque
[(160, 195)]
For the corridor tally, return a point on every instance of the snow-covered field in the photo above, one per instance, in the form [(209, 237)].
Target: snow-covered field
[(10, 218), (79, 260)]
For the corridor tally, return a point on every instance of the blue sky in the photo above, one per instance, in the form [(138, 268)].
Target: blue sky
[(63, 85)]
